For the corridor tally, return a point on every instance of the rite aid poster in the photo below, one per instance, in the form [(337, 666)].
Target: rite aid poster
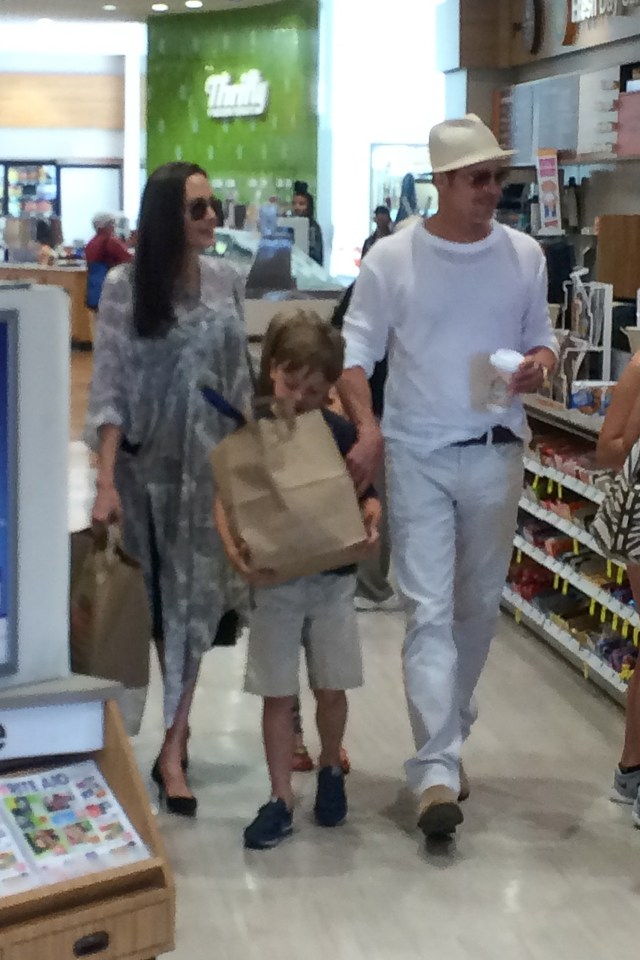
[(4, 495)]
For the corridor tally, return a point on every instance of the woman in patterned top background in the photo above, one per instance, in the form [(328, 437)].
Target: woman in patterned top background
[(168, 323)]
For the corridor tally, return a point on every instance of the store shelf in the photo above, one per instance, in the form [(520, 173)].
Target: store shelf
[(587, 490), (571, 529), (585, 586), (591, 665), (555, 414)]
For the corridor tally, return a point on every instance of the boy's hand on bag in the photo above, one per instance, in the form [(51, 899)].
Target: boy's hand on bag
[(107, 507), (371, 516)]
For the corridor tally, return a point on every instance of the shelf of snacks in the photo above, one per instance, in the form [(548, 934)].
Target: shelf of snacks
[(601, 581), (563, 479), (578, 642), (578, 534), (558, 415)]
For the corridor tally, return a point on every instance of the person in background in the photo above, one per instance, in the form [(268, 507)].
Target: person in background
[(168, 323), (384, 228), (443, 295), (301, 360), (44, 239), (103, 252), (303, 206), (408, 204), (620, 430)]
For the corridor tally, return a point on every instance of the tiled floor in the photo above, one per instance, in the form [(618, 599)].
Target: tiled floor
[(545, 867)]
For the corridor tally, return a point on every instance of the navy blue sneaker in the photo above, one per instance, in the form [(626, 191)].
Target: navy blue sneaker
[(273, 823), (331, 800)]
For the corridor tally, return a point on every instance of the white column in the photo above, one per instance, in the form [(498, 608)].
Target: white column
[(132, 134)]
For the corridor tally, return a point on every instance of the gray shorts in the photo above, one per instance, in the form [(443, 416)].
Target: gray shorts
[(316, 613)]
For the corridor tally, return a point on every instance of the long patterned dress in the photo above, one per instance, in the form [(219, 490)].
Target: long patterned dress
[(150, 389)]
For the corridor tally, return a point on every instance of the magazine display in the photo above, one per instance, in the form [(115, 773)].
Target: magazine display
[(59, 824)]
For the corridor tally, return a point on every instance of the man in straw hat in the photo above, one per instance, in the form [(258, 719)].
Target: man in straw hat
[(441, 297)]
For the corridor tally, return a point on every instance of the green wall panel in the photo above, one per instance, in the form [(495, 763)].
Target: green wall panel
[(261, 154)]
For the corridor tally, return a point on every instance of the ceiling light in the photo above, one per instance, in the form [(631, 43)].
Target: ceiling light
[(160, 7), (109, 6), (44, 22), (193, 4)]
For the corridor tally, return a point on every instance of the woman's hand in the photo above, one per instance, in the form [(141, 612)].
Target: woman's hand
[(371, 516), (107, 507)]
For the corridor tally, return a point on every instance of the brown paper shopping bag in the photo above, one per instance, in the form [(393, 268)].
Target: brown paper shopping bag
[(287, 494), (110, 622)]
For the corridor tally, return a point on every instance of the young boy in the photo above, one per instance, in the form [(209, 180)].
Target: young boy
[(302, 358)]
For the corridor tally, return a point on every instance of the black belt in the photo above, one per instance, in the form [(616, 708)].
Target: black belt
[(497, 435)]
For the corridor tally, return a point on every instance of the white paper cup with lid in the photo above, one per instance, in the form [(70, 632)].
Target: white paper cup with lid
[(505, 363)]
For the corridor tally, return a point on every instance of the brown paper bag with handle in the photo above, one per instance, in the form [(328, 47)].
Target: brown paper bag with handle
[(286, 491), (110, 621)]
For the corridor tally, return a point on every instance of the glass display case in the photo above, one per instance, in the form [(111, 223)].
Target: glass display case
[(390, 163)]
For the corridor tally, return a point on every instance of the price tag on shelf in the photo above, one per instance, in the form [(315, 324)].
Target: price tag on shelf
[(576, 546), (565, 587), (556, 581), (549, 485), (559, 491), (518, 615), (614, 622), (592, 607), (609, 570), (620, 577), (603, 615), (536, 481), (636, 635), (625, 629), (519, 556), (585, 670)]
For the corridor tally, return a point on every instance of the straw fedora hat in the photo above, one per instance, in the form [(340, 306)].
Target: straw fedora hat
[(461, 143)]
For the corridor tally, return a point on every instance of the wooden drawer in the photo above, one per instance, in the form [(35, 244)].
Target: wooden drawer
[(129, 933)]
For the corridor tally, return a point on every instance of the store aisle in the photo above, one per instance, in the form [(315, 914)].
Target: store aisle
[(545, 866)]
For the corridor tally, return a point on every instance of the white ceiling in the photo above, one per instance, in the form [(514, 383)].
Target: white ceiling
[(92, 9)]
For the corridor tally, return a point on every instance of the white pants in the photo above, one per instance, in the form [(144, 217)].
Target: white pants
[(452, 519)]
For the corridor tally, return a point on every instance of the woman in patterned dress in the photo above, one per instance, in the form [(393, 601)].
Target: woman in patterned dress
[(168, 323)]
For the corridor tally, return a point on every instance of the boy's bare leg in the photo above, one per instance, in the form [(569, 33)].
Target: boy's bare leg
[(331, 718), (277, 732)]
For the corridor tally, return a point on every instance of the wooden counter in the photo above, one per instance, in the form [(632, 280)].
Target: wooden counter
[(72, 279)]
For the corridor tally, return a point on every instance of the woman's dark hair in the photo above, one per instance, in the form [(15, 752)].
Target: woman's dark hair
[(44, 233), (301, 189), (160, 249)]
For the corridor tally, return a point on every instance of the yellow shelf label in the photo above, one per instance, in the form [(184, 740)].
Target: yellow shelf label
[(536, 481), (565, 588), (519, 556), (576, 546), (609, 569), (603, 615), (625, 629), (556, 581), (614, 622), (518, 615), (592, 607), (585, 670), (559, 491), (620, 577), (636, 635), (549, 485)]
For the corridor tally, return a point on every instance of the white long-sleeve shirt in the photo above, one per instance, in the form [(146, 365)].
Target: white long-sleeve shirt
[(440, 309)]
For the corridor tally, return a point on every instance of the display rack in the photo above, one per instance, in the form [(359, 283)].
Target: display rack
[(125, 912), (624, 619)]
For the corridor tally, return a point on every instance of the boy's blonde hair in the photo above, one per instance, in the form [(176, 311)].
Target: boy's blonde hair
[(297, 340)]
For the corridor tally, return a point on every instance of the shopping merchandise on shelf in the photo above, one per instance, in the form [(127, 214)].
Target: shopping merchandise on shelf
[(59, 824), (571, 455), (591, 396)]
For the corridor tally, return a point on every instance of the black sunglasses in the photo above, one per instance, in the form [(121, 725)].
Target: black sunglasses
[(197, 208), (482, 178)]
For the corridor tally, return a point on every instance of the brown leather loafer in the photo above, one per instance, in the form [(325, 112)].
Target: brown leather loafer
[(439, 813)]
